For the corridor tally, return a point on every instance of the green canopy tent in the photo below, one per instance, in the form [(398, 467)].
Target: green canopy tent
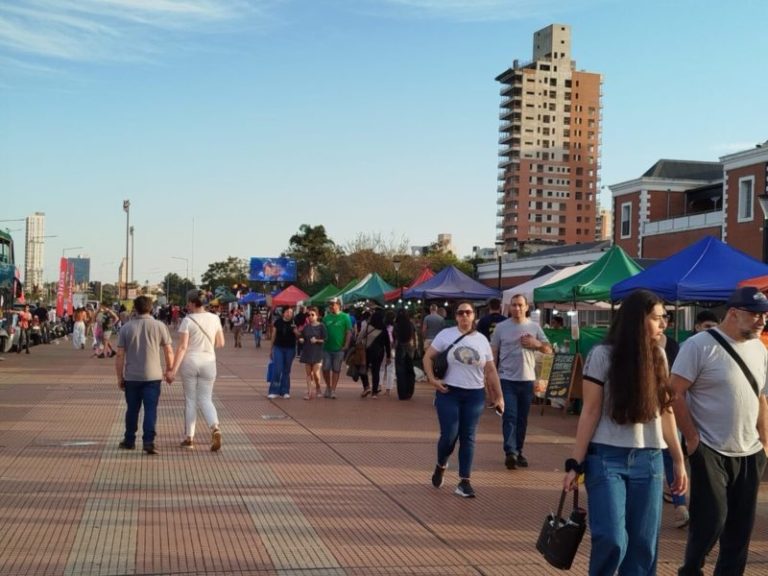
[(372, 287), (322, 297), (591, 285)]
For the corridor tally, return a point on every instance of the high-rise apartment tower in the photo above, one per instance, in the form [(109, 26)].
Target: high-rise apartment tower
[(549, 158), (33, 252)]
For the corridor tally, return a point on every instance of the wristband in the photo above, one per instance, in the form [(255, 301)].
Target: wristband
[(573, 465)]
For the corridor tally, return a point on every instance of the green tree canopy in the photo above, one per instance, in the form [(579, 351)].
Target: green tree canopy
[(176, 287), (228, 273), (313, 251)]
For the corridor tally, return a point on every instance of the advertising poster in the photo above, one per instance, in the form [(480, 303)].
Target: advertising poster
[(273, 270)]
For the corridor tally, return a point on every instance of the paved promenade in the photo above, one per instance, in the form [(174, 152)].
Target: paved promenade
[(328, 487)]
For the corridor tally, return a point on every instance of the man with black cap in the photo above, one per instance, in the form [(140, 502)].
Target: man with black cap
[(719, 380)]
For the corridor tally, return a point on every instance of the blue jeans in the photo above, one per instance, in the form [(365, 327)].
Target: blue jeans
[(625, 491), (136, 394), (458, 412), (282, 359), (518, 395), (257, 337)]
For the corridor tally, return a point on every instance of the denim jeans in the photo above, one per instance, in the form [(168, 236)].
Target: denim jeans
[(281, 375), (625, 494), (518, 395), (136, 394), (723, 501), (458, 412)]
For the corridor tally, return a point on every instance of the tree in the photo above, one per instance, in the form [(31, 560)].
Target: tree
[(176, 288), (228, 273), (312, 250)]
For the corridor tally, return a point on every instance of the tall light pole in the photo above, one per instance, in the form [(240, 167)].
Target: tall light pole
[(396, 263), (127, 208), (499, 254), (133, 253)]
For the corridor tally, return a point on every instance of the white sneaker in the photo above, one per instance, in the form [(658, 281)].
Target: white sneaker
[(271, 396), (286, 396), (681, 517)]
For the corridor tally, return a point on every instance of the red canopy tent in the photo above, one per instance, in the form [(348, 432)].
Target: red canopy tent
[(289, 297), (423, 276)]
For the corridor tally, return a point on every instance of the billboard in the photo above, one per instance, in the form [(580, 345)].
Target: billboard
[(273, 270)]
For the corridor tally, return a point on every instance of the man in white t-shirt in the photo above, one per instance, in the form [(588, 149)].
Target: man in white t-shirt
[(514, 342), (724, 419)]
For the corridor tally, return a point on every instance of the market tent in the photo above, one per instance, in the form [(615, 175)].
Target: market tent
[(321, 297), (593, 283), (372, 287), (707, 271), (253, 298), (761, 283), (451, 283), (289, 297), (423, 276), (527, 288)]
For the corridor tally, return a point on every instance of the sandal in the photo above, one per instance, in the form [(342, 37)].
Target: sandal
[(307, 397), (366, 392), (187, 443), (215, 440)]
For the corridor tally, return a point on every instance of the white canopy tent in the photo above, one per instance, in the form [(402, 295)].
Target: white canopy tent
[(527, 288)]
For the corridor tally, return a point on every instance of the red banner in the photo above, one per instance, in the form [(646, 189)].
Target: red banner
[(71, 291), (60, 288)]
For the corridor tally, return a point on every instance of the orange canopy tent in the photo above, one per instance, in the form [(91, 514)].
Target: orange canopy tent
[(759, 282)]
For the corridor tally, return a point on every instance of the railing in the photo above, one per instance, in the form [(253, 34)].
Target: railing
[(705, 220)]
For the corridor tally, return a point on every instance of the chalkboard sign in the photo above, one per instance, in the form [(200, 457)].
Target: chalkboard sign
[(565, 377)]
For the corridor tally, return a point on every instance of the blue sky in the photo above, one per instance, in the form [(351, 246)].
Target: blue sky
[(243, 119)]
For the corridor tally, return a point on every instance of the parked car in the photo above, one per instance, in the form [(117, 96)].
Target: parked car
[(9, 333)]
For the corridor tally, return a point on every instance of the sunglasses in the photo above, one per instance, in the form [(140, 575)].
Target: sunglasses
[(464, 312)]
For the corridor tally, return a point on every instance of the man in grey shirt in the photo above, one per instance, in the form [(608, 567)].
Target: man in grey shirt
[(514, 342), (140, 371), (725, 424), (431, 325)]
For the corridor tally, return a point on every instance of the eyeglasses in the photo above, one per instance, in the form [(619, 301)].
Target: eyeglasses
[(464, 312), (753, 314)]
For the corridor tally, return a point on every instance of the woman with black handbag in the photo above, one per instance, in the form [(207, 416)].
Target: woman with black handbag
[(625, 422), (377, 350), (460, 395)]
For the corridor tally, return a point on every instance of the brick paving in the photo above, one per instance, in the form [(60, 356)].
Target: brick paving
[(328, 487)]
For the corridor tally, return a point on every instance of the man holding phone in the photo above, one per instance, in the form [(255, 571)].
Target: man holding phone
[(514, 342)]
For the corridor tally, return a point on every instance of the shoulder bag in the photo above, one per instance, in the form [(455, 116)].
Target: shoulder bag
[(440, 361), (728, 348), (208, 336)]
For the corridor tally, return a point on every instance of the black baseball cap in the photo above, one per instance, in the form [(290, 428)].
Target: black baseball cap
[(748, 298)]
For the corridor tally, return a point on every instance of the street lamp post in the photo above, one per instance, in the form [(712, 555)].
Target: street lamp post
[(396, 263), (127, 209), (763, 200), (499, 254), (133, 254), (475, 250)]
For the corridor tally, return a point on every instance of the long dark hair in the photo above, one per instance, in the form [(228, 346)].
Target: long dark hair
[(403, 327), (638, 375)]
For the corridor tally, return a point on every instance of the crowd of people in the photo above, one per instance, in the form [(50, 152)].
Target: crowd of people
[(695, 414)]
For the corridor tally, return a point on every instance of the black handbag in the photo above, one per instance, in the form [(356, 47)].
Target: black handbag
[(560, 538), (440, 361)]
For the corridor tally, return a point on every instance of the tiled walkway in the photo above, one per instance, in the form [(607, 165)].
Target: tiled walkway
[(327, 487)]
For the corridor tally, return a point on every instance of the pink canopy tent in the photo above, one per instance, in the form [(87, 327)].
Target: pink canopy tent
[(290, 297), (423, 276)]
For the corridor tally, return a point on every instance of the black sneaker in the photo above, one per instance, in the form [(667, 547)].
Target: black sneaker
[(511, 461), (437, 476), (125, 446), (464, 489), (150, 449), (522, 461)]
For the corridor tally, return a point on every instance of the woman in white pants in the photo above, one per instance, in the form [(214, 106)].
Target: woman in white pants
[(195, 361)]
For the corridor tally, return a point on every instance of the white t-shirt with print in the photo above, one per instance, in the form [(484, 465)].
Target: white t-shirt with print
[(467, 358)]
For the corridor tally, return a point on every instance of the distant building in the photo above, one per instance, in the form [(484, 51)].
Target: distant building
[(34, 254), (677, 202), (549, 158), (444, 245)]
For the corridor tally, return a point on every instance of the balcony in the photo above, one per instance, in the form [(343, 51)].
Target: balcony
[(683, 223)]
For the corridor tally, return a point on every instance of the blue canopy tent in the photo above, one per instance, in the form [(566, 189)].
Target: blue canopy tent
[(253, 298), (707, 271), (451, 283)]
